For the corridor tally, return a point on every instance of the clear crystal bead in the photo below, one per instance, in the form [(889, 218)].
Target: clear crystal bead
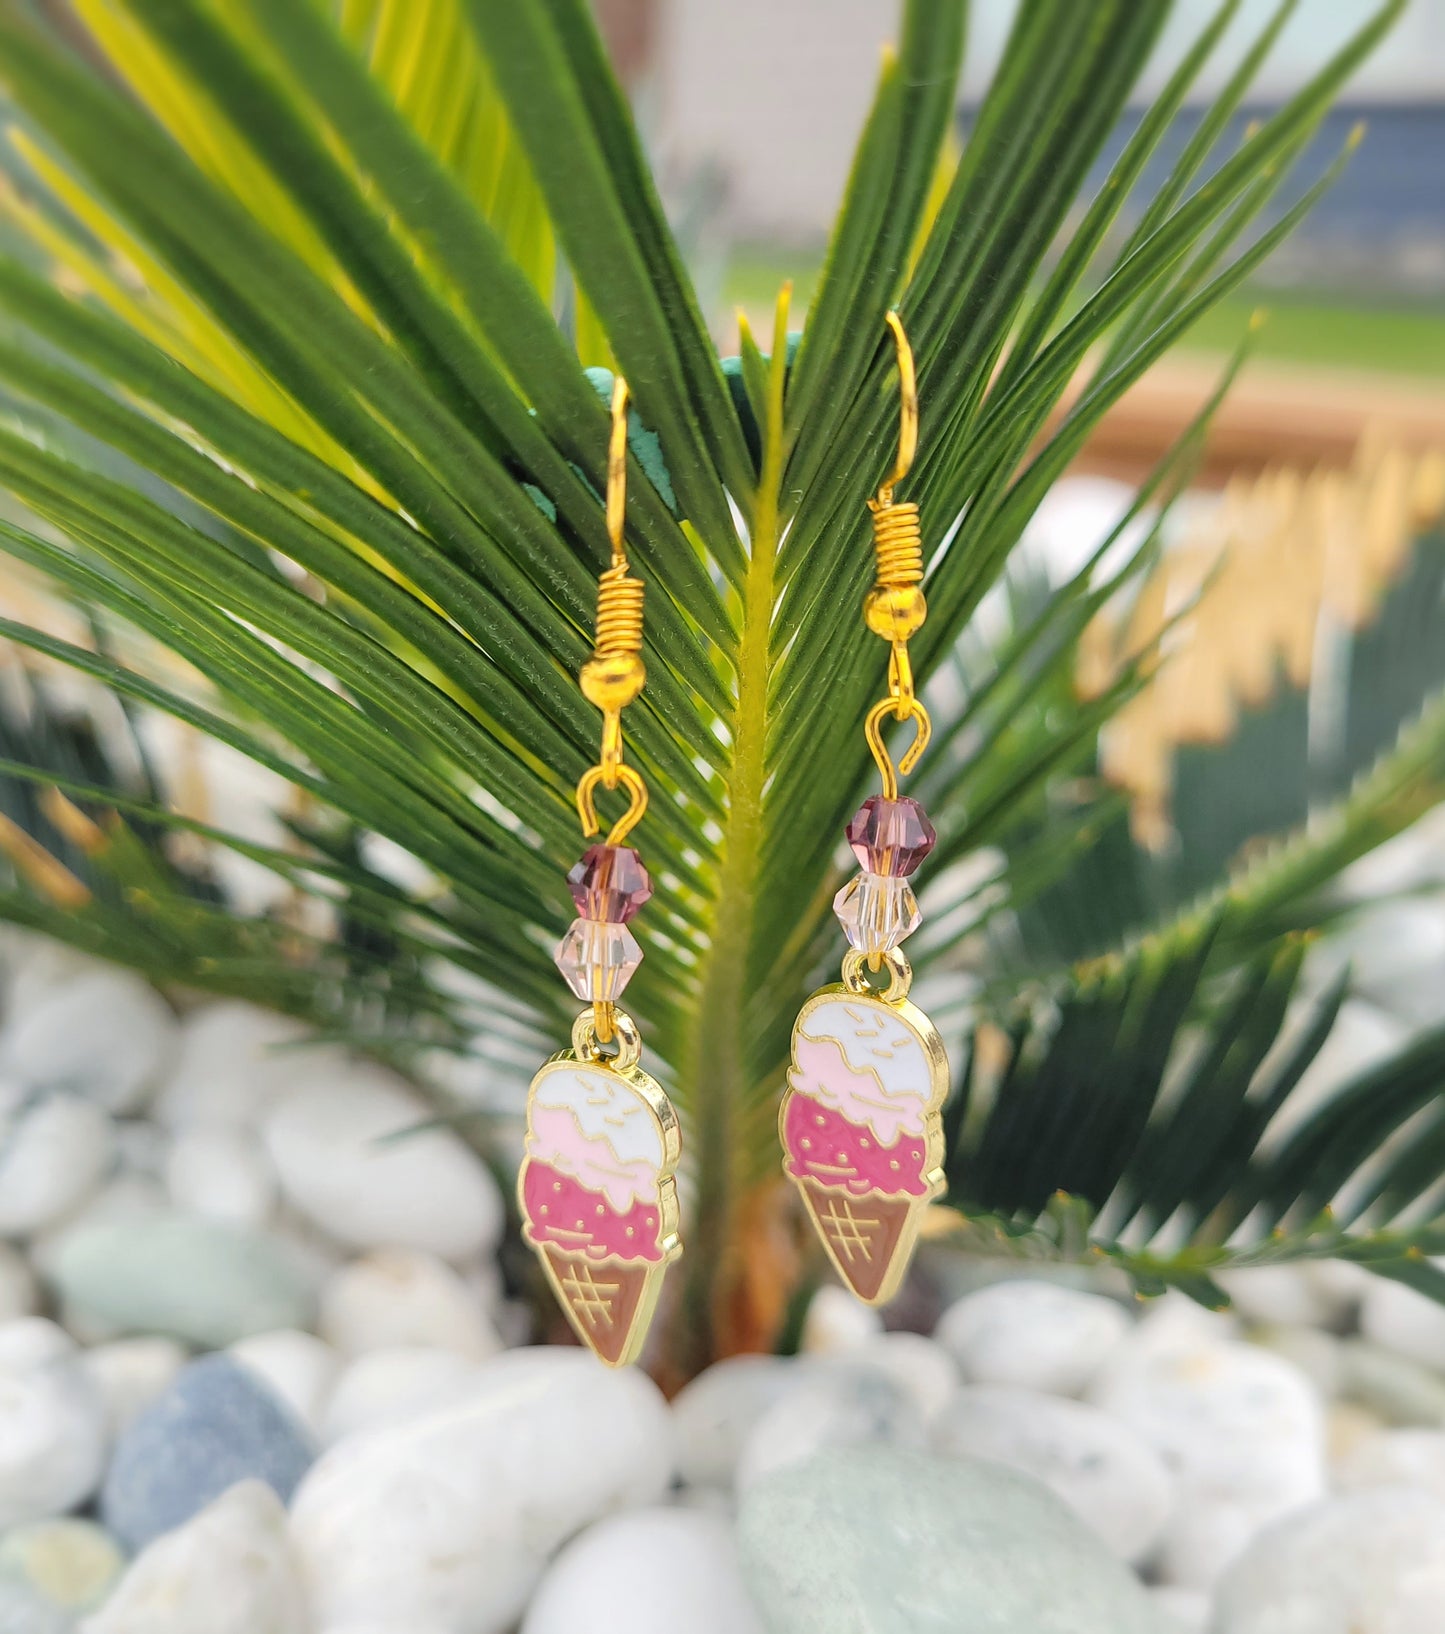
[(877, 911), (597, 958)]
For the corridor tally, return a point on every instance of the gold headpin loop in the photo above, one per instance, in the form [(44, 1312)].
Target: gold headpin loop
[(895, 608), (630, 780), (615, 673), (873, 731)]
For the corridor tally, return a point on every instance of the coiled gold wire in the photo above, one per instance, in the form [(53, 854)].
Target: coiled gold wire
[(898, 543), (619, 612)]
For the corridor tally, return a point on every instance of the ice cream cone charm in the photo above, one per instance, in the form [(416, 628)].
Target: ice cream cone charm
[(596, 1190), (860, 1120), (861, 1126)]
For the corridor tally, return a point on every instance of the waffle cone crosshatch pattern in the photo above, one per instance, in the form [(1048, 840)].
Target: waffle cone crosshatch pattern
[(596, 1190), (860, 1121)]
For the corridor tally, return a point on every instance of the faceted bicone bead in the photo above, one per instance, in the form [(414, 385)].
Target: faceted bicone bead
[(609, 883), (890, 836), (597, 958), (877, 911)]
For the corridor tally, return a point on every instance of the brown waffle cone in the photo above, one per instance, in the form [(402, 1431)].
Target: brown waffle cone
[(869, 1238), (608, 1302)]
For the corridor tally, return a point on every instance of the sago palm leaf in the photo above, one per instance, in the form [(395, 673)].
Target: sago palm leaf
[(290, 418)]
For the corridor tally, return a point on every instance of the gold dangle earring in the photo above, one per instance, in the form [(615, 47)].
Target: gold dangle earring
[(860, 1120), (597, 1195)]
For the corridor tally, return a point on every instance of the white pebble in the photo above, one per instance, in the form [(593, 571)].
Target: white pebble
[(449, 1518), (107, 1035), (1110, 1477), (1206, 1535), (655, 1571), (1366, 1563), (53, 1426), (32, 1341), (1242, 1430), (716, 1411), (1276, 1293), (399, 1296), (227, 1571), (299, 1368), (1316, 1354), (1414, 1458), (131, 1373), (1346, 1425), (369, 1627), (352, 1155), (837, 1321), (1034, 1335), (36, 965), (310, 1250), (828, 1406), (18, 1294), (1183, 1611), (1408, 1323), (53, 1155), (924, 1369), (385, 1386), (1175, 1322), (141, 1147), (1397, 1389), (233, 1063), (1340, 1286), (1230, 1418), (221, 1174)]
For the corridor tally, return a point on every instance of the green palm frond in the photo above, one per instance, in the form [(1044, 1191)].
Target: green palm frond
[(288, 414)]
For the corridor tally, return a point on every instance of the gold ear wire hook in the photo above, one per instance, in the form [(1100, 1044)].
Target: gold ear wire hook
[(895, 607), (615, 673), (907, 408), (617, 471)]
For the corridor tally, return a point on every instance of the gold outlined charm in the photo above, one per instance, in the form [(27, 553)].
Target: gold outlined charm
[(861, 1121), (596, 1189), (861, 1128)]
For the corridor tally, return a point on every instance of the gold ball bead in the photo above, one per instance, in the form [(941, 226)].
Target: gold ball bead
[(613, 679), (895, 613)]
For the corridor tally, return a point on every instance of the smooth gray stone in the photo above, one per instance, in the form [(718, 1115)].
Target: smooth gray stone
[(215, 1425), (194, 1280), (879, 1540)]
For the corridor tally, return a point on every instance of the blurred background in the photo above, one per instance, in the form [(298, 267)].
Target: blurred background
[(1313, 525), (752, 143)]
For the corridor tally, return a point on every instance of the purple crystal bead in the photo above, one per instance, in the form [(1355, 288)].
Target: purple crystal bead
[(609, 883), (890, 836), (598, 958)]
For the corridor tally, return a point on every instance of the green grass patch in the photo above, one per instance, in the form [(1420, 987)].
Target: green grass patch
[(1300, 329), (1398, 341)]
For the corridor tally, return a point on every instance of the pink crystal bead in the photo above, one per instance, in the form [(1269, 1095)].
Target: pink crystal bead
[(597, 958), (877, 911), (609, 883), (890, 836)]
